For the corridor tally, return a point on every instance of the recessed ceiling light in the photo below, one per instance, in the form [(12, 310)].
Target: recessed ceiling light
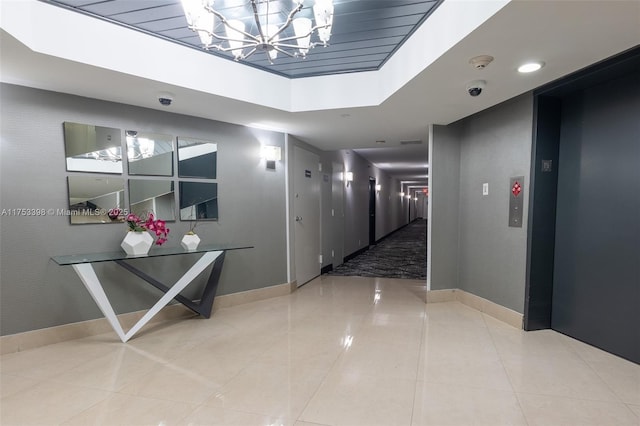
[(381, 142), (530, 67)]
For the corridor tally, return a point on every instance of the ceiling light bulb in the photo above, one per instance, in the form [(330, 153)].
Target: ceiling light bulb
[(302, 28), (530, 67), (235, 32)]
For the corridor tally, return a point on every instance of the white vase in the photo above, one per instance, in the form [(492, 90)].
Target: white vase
[(137, 243), (190, 241)]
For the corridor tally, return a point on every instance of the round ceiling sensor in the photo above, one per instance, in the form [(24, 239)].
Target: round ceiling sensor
[(481, 62)]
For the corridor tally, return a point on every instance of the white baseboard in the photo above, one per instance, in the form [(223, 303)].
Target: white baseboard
[(78, 330), (499, 312)]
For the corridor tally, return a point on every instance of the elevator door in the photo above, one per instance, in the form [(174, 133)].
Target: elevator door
[(596, 284)]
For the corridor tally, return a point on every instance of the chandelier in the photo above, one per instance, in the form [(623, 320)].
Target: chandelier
[(259, 26)]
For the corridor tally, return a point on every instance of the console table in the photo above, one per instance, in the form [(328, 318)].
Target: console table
[(83, 265)]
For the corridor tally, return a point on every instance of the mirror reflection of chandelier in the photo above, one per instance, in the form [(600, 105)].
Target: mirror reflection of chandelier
[(259, 26)]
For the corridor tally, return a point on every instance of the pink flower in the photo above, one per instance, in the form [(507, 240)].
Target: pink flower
[(159, 227)]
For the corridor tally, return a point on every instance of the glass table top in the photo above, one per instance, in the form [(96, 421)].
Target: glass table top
[(155, 251)]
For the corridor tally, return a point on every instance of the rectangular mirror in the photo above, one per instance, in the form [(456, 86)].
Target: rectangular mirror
[(198, 201), (92, 148), (95, 199), (197, 158), (152, 196), (149, 154)]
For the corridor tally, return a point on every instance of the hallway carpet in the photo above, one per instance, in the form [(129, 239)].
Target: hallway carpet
[(402, 254)]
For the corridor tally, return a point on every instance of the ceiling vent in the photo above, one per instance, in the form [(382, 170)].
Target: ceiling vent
[(418, 142)]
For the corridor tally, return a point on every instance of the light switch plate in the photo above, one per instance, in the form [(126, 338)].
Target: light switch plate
[(485, 188)]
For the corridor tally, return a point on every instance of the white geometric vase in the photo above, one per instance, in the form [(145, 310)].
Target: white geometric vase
[(190, 241), (137, 243)]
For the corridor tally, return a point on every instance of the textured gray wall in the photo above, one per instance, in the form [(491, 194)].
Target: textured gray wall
[(36, 293), (494, 146), (444, 187)]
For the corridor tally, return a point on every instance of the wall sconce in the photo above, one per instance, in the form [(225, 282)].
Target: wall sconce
[(378, 188), (348, 177), (271, 154), (408, 196), (402, 193)]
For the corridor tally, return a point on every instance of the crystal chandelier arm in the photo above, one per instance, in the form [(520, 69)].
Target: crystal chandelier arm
[(278, 48), (256, 17)]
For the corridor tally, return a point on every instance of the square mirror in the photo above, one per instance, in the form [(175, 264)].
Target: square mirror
[(152, 196), (92, 148), (95, 199), (198, 201), (149, 154), (197, 158)]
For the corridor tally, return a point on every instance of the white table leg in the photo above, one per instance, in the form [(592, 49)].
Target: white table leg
[(186, 279), (92, 283), (89, 278)]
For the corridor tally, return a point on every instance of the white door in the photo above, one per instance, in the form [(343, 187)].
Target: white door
[(337, 212), (306, 214)]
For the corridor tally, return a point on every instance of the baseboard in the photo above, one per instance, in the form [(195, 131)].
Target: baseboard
[(478, 303), (326, 269), (355, 253), (439, 296), (249, 296), (47, 336)]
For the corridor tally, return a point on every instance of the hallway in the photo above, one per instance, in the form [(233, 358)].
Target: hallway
[(338, 351), (402, 254)]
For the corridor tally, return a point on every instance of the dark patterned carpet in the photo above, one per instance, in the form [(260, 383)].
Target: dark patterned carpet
[(403, 254)]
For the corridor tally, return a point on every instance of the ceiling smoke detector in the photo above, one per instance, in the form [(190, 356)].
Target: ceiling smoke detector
[(481, 62)]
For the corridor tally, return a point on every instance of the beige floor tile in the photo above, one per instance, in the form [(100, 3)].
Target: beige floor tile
[(48, 361), (121, 409), (207, 415), (274, 390), (622, 376), (635, 409), (454, 313), (318, 352), (557, 375), (10, 384), (352, 399), (441, 404), (338, 351), (552, 410), (112, 371), (173, 383), (462, 356), (380, 356), (47, 404)]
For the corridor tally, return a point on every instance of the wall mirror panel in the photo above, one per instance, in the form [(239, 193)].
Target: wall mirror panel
[(92, 148), (149, 154), (197, 158), (198, 201), (95, 199), (152, 196)]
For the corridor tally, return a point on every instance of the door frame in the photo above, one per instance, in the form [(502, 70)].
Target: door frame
[(372, 211)]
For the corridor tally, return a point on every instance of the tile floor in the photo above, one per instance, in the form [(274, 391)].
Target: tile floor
[(339, 351)]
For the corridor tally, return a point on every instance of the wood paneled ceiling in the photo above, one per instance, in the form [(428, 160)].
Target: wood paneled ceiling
[(365, 33)]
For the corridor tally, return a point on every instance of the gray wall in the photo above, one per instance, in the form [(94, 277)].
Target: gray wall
[(389, 213), (494, 145), (444, 191), (37, 293)]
